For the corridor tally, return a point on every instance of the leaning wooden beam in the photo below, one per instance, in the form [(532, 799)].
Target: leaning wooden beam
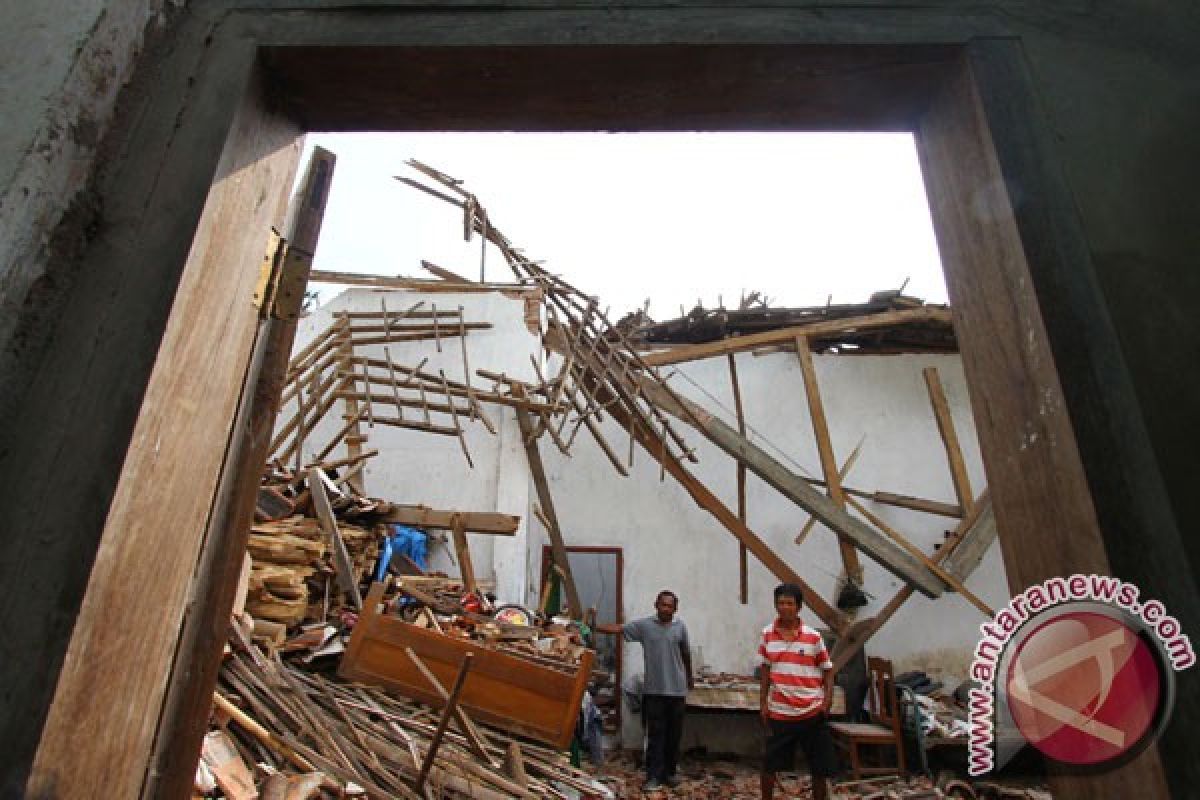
[(558, 548), (462, 440), (403, 282), (950, 581), (971, 547), (857, 635), (945, 423), (341, 558), (473, 521), (829, 468), (743, 578), (444, 722), (443, 273), (709, 502), (796, 489), (825, 328)]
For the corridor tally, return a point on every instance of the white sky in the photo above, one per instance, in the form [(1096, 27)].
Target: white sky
[(670, 217)]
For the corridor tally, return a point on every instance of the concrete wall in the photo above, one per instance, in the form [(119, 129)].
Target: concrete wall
[(63, 64), (669, 542), (430, 469)]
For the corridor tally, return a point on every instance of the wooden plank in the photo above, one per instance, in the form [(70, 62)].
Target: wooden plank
[(738, 344), (417, 284), (472, 521), (945, 424), (462, 551), (341, 557), (962, 562), (512, 693), (127, 631), (460, 680), (913, 503), (797, 489), (829, 468), (558, 548), (743, 577), (198, 656)]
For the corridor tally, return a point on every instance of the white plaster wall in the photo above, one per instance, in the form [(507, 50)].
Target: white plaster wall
[(430, 469), (669, 542)]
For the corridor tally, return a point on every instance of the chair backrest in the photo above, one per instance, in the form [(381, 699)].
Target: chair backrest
[(882, 704)]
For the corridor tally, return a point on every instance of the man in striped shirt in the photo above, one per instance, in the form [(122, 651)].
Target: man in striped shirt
[(796, 692)]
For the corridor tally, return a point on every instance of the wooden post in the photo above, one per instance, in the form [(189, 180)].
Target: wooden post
[(537, 471), (743, 579), (945, 423), (462, 551), (833, 480)]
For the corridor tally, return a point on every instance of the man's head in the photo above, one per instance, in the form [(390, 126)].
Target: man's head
[(789, 599), (665, 605)]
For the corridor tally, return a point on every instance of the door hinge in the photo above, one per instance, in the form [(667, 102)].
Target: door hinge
[(282, 279)]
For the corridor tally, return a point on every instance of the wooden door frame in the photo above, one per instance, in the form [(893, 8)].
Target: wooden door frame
[(968, 102)]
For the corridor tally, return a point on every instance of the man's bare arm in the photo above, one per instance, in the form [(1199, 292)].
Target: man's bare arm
[(829, 676), (615, 630), (764, 689), (686, 654)]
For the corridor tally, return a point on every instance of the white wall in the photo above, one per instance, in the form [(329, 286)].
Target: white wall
[(669, 542), (430, 469)]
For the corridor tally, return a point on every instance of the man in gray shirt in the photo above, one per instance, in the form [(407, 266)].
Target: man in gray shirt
[(668, 677)]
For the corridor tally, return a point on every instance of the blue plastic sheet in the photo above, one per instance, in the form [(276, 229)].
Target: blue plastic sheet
[(404, 540)]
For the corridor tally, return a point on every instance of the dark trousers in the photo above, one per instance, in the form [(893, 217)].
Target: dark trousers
[(663, 716)]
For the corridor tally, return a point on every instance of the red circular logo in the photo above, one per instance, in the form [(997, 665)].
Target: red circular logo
[(1084, 688)]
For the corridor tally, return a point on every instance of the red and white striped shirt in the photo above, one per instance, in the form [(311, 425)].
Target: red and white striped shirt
[(797, 666)]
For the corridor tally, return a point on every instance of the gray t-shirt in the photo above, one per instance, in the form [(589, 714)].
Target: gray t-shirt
[(665, 673)]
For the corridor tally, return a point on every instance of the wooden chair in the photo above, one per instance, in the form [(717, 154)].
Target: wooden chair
[(883, 731)]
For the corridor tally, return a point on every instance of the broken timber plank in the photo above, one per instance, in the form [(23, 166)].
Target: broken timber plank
[(817, 329), (945, 423), (472, 521), (833, 481), (969, 549), (341, 557), (558, 549), (444, 722), (873, 543)]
